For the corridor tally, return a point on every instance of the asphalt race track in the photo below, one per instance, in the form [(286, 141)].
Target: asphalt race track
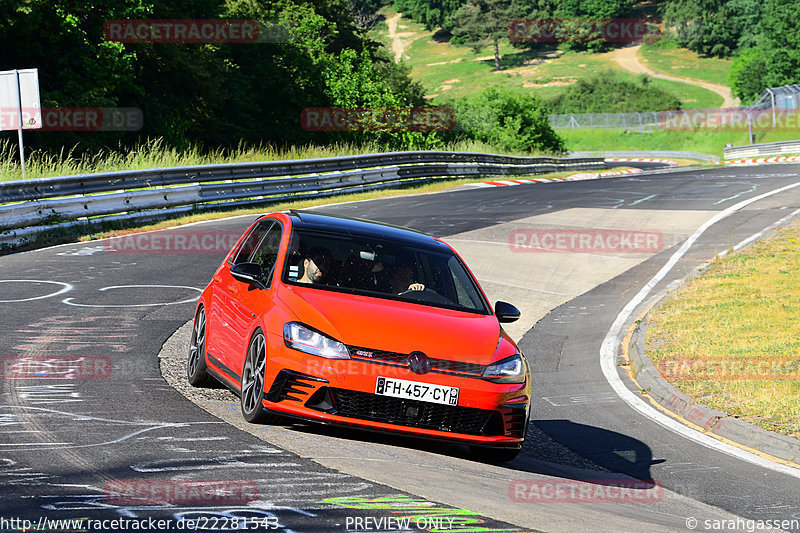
[(99, 417)]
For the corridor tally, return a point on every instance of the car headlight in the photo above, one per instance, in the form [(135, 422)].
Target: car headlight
[(305, 339), (509, 370)]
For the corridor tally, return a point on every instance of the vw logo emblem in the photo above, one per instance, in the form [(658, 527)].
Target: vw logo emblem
[(419, 363)]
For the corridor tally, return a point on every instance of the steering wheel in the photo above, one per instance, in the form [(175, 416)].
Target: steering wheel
[(426, 295)]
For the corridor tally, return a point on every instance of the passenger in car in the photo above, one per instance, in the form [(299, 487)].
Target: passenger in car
[(316, 265)]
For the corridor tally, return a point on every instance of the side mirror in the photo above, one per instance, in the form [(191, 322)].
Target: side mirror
[(247, 273), (506, 312)]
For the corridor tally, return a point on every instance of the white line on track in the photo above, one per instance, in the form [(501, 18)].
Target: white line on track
[(484, 280), (65, 287), (608, 352), (69, 301)]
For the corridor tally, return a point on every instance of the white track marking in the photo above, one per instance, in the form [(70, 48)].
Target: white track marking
[(69, 301), (608, 353), (65, 287), (12, 419)]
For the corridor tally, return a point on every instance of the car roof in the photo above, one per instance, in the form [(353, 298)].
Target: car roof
[(330, 223)]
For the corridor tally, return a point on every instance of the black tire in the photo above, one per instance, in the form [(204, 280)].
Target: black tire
[(196, 370), (494, 455), (252, 394)]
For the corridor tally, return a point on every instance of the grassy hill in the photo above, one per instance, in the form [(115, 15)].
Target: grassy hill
[(447, 70)]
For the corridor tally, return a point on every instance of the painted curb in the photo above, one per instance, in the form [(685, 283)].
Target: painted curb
[(712, 421), (668, 162), (759, 160), (673, 167), (574, 177)]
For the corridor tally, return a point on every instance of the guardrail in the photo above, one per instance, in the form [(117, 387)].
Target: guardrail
[(46, 203), (756, 150), (675, 154)]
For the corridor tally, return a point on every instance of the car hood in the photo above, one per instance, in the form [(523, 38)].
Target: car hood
[(395, 326)]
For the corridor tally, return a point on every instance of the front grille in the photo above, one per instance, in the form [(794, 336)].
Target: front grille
[(441, 366), (377, 355), (410, 413)]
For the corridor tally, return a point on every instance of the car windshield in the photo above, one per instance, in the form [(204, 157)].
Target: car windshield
[(383, 269)]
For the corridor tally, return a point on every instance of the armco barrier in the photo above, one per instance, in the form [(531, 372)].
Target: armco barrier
[(674, 154), (38, 204), (757, 150)]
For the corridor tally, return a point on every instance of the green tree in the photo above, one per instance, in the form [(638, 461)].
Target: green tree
[(573, 16), (747, 75), (77, 67), (593, 9), (776, 59), (432, 13), (353, 83), (481, 23), (713, 27)]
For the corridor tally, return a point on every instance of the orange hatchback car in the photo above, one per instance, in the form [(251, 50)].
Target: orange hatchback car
[(357, 323)]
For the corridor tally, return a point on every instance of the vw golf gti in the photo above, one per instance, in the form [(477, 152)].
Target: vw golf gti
[(357, 323)]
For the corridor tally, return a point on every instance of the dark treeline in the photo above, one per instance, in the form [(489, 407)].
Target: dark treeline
[(213, 95), (762, 36), (216, 96), (441, 13)]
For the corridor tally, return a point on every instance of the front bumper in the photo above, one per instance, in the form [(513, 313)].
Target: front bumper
[(342, 392)]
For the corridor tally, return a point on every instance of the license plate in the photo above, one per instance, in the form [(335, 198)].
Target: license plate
[(413, 390)]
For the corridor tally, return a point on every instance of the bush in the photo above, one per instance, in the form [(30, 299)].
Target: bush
[(509, 120), (605, 92)]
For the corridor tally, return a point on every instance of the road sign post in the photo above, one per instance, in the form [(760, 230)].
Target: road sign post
[(20, 107)]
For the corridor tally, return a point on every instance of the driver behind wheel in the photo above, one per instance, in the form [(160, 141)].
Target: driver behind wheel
[(401, 279)]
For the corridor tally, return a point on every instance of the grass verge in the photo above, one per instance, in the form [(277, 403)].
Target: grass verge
[(683, 63), (707, 142), (729, 338), (154, 154)]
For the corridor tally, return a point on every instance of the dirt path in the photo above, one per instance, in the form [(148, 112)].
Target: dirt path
[(627, 59), (398, 40)]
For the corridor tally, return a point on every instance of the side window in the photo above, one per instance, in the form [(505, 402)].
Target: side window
[(466, 292), (251, 242), (266, 254)]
